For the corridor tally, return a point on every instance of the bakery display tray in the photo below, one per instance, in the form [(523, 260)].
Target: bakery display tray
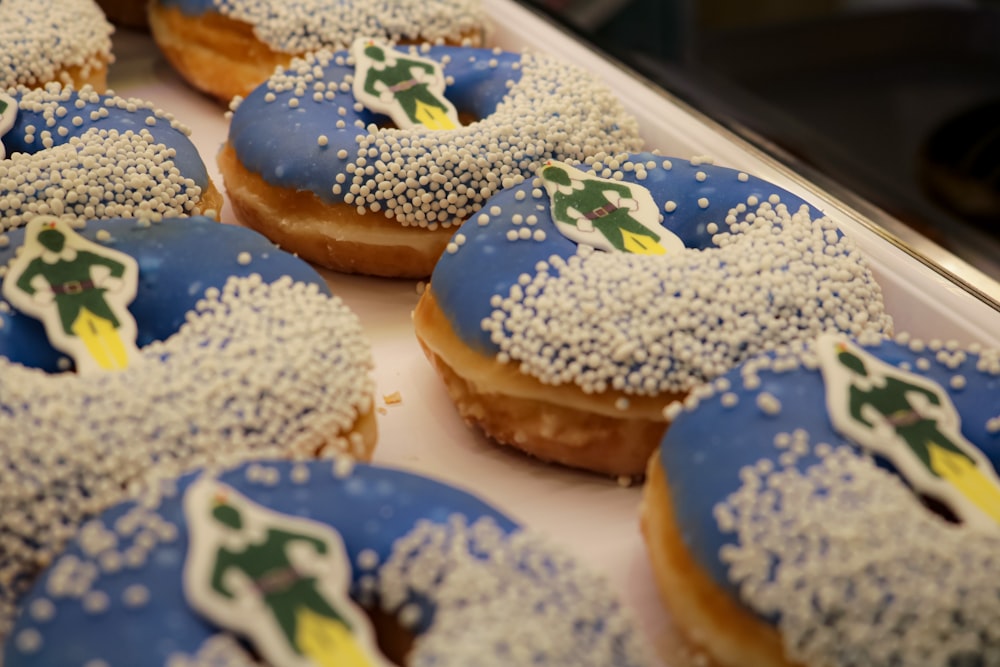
[(420, 430)]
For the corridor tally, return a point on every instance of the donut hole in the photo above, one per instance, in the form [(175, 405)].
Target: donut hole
[(929, 502), (394, 640), (939, 508), (468, 117)]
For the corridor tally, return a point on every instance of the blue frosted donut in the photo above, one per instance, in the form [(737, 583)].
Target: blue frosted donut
[(64, 41), (585, 347), (178, 264), (242, 351), (472, 586), (343, 191), (777, 539), (227, 47), (80, 154)]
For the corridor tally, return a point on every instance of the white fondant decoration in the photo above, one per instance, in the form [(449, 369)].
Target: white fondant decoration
[(80, 290), (910, 421), (610, 215), (408, 88), (248, 566), (8, 115)]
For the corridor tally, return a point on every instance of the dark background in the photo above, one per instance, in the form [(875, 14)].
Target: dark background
[(896, 100)]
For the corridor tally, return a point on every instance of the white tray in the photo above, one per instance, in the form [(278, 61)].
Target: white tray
[(592, 516)]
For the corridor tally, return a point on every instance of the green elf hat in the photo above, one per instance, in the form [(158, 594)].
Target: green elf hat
[(558, 175), (374, 52), (851, 360), (226, 514)]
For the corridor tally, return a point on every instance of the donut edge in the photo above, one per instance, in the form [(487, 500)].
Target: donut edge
[(555, 424), (327, 234), (222, 56), (214, 53), (715, 624)]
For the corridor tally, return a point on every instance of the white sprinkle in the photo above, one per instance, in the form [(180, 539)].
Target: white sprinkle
[(368, 559), (28, 641), (42, 610), (769, 404)]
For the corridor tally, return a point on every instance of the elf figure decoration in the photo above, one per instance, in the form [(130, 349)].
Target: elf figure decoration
[(279, 580), (912, 422), (407, 88), (608, 215), (8, 114), (80, 290)]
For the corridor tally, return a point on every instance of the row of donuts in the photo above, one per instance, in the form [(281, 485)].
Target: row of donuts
[(212, 378), (509, 338), (828, 503), (605, 292), (763, 512), (570, 353), (223, 47), (770, 495), (248, 360)]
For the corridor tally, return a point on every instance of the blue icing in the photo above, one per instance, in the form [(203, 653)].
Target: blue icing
[(280, 142), (703, 451), (488, 264), (178, 261), (371, 509), (187, 159)]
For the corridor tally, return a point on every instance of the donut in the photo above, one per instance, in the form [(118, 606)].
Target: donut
[(80, 154), (228, 47), (459, 581), (356, 197), (570, 353), (242, 351), (835, 504), (64, 41)]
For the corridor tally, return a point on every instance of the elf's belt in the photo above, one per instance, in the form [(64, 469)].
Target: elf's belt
[(73, 287), (277, 580), (904, 418), (601, 212), (404, 85)]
